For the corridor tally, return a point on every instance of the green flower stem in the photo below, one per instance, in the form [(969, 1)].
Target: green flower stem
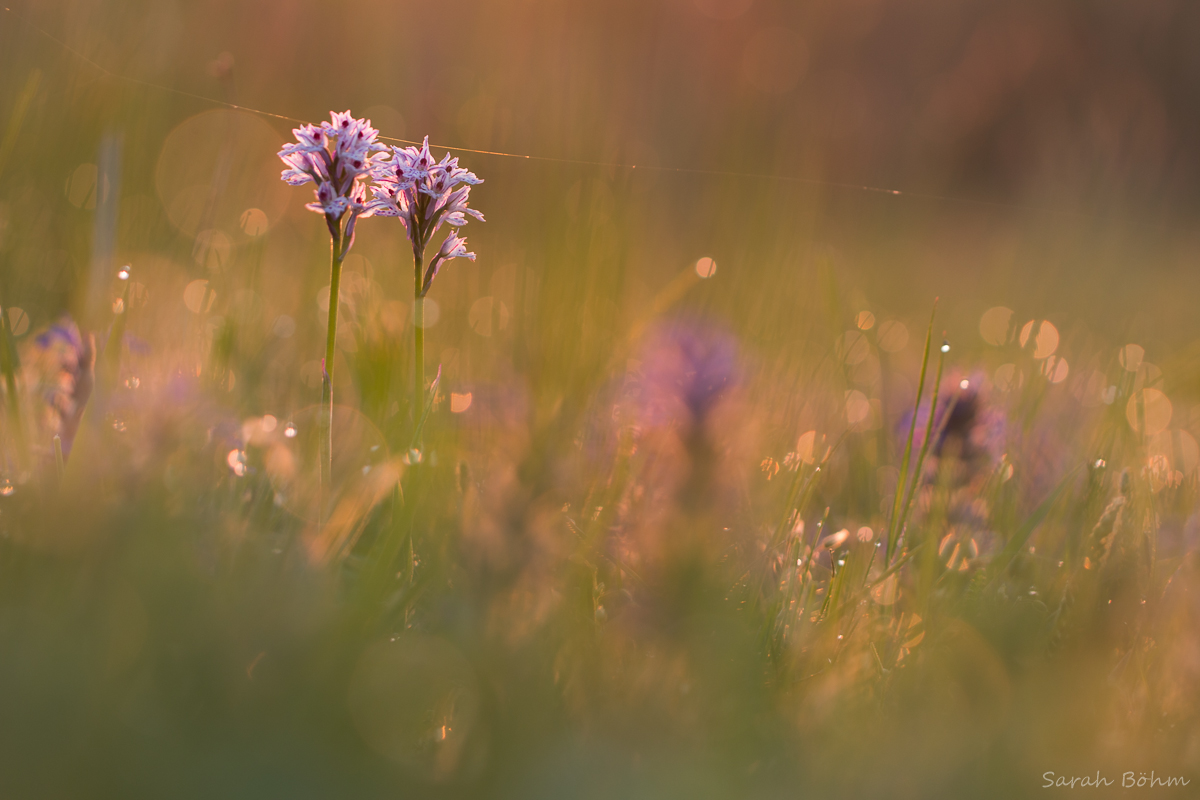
[(326, 419), (418, 338)]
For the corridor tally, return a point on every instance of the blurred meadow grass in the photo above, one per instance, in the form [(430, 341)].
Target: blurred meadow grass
[(642, 550)]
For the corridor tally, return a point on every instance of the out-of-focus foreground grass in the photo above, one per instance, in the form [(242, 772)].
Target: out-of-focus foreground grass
[(642, 551)]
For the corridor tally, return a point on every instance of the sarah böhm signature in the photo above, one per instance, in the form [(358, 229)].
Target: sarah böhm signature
[(1129, 780)]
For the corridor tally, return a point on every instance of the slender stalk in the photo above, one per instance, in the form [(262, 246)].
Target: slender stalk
[(930, 436), (420, 426), (326, 418), (6, 362), (9, 363), (418, 336), (789, 506), (59, 465), (893, 534)]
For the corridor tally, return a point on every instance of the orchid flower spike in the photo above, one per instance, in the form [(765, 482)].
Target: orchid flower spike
[(338, 156), (425, 194)]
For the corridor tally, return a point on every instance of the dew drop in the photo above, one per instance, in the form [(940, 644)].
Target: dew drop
[(945, 347), (290, 431), (123, 274)]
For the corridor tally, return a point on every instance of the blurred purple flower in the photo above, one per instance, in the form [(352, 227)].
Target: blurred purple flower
[(58, 368), (411, 186), (687, 369), (975, 429)]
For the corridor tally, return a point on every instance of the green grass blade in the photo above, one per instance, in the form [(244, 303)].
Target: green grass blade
[(892, 533)]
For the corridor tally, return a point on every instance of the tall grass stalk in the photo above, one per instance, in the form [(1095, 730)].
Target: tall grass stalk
[(59, 464), (892, 533), (8, 362), (8, 351), (933, 432)]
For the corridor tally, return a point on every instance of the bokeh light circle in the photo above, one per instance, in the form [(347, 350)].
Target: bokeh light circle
[(1045, 340), (858, 408), (85, 185), (893, 336), (1131, 356), (1178, 447), (1056, 369), (254, 222), (197, 296), (415, 700), (487, 315), (1151, 406), (18, 321), (1008, 377), (433, 313), (214, 166), (853, 347), (995, 326)]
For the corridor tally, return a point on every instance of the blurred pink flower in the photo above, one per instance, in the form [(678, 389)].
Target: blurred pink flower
[(976, 428), (687, 369)]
